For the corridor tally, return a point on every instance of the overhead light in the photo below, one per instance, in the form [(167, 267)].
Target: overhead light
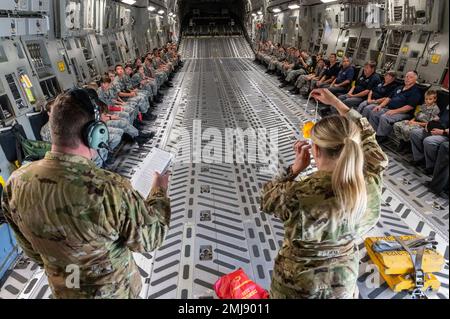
[(326, 1), (130, 2), (276, 10), (260, 13), (293, 6), (254, 14), (161, 12), (151, 8), (174, 16), (170, 14)]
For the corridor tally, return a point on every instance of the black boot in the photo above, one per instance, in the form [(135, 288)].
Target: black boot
[(143, 138), (149, 116), (157, 100), (284, 84), (403, 146), (148, 135), (295, 91)]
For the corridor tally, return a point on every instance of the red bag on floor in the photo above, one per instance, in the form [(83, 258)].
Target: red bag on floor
[(237, 285)]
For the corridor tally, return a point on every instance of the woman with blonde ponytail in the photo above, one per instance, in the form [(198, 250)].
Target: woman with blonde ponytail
[(326, 212)]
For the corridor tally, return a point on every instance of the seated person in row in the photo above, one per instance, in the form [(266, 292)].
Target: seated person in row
[(427, 112), (425, 142), (301, 67), (276, 60), (379, 93), (139, 98), (365, 83), (400, 106), (331, 72), (291, 58), (305, 83), (107, 94), (343, 81)]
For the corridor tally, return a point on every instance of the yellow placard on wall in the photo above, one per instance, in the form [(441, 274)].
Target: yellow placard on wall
[(405, 50), (340, 53), (435, 58), (61, 66)]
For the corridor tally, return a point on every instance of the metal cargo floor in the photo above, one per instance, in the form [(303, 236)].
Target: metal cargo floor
[(216, 224)]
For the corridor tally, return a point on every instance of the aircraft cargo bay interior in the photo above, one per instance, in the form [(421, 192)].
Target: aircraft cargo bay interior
[(183, 149)]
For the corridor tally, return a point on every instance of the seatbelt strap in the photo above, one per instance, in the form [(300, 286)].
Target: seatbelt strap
[(386, 245), (419, 276)]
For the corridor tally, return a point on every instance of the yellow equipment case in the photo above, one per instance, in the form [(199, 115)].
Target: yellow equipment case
[(406, 262)]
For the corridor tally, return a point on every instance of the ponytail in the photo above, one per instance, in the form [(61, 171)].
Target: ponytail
[(339, 139), (348, 180)]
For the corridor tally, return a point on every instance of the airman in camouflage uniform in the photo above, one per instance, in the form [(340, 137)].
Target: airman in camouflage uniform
[(160, 73), (318, 258), (277, 60), (65, 212), (140, 80), (108, 93), (140, 100)]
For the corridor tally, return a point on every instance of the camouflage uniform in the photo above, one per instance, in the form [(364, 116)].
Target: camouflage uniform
[(139, 101), (108, 98), (45, 133), (123, 125), (318, 258), (115, 136), (305, 85), (166, 60), (268, 53), (160, 75), (151, 87), (65, 212), (277, 62), (426, 114)]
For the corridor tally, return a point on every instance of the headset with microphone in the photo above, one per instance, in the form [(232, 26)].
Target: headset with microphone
[(95, 133)]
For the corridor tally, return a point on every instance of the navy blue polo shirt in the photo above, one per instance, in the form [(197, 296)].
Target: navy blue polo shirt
[(345, 74), (382, 90), (367, 83), (332, 70), (400, 98)]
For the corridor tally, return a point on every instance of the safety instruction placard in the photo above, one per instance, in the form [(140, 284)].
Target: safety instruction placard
[(435, 58), (61, 66)]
